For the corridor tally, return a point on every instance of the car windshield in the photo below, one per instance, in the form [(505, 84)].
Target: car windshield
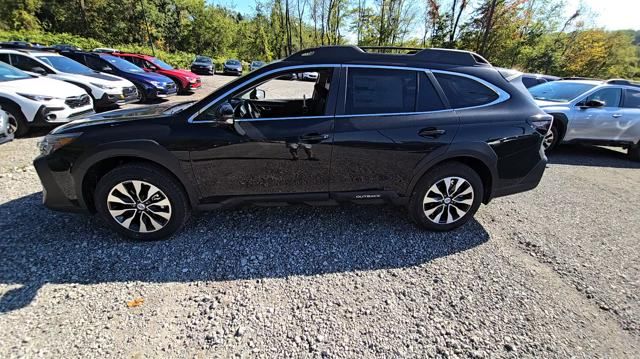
[(122, 65), (161, 64), (65, 64), (559, 91), (258, 63), (9, 73), (203, 59), (233, 62)]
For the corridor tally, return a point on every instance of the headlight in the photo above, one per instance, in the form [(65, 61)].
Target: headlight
[(191, 79), (51, 143), (104, 87), (157, 84), (38, 98)]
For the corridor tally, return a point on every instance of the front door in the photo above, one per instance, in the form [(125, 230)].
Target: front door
[(597, 123), (278, 142)]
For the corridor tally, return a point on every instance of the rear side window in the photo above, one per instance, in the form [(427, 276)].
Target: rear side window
[(373, 91), (632, 99), (428, 98), (465, 92)]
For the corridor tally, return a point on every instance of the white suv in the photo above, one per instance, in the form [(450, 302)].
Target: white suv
[(592, 112), (106, 90), (38, 101)]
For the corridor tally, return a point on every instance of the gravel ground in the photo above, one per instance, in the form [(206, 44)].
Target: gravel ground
[(549, 273)]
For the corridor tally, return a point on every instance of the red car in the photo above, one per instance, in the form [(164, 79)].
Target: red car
[(185, 80)]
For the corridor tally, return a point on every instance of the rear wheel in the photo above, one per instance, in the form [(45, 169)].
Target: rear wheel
[(446, 197), (141, 201)]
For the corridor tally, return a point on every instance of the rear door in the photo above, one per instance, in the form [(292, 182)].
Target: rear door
[(388, 121)]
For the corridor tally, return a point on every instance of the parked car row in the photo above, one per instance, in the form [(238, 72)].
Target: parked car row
[(47, 86)]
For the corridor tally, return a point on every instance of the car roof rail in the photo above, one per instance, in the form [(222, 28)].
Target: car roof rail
[(390, 49), (433, 55), (580, 78), (622, 82)]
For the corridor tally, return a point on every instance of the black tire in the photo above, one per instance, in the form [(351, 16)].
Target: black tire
[(179, 208), (634, 152), (143, 95), (555, 139), (18, 124), (418, 209)]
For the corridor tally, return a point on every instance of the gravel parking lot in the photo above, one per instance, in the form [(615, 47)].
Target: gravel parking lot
[(553, 272)]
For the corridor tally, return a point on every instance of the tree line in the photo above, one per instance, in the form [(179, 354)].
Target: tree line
[(530, 35)]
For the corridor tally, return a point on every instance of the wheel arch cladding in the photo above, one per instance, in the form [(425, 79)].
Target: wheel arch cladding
[(561, 120), (478, 160), (107, 157)]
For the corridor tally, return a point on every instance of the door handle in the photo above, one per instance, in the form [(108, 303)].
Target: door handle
[(616, 115), (314, 137), (431, 132)]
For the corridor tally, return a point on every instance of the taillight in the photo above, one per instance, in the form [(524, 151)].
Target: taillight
[(541, 123)]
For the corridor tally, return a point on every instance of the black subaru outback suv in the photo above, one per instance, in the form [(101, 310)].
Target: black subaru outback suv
[(438, 131)]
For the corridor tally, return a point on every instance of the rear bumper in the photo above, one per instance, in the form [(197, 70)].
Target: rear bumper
[(529, 182)]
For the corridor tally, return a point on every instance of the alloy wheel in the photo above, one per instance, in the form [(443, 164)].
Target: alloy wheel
[(448, 200), (548, 140), (13, 123), (139, 206)]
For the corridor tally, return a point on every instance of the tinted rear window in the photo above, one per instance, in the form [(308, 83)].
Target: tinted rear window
[(465, 92), (372, 91), (632, 99)]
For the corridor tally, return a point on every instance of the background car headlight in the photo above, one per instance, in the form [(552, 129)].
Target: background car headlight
[(104, 87), (191, 79), (38, 98), (157, 84), (51, 143)]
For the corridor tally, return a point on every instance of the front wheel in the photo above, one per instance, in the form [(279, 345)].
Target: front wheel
[(446, 197), (18, 125), (141, 201)]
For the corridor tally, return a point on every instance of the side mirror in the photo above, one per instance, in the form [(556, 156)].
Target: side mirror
[(225, 113), (592, 104), (39, 70), (257, 94)]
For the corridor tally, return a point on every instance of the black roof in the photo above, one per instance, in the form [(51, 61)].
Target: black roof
[(415, 55)]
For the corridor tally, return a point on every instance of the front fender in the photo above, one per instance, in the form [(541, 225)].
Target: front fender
[(148, 150)]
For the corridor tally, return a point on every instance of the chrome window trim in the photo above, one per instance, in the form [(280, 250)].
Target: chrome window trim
[(502, 95), (231, 91)]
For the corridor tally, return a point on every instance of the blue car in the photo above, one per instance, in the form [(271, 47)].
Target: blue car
[(150, 85)]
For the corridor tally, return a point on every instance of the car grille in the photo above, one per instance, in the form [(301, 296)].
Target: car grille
[(78, 101), (128, 91)]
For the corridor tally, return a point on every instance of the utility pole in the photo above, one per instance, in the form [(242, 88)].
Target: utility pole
[(144, 17)]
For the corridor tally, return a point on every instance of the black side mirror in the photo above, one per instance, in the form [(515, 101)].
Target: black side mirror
[(225, 113), (592, 104), (257, 94), (39, 70)]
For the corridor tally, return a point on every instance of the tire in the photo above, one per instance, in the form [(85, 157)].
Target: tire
[(157, 218), (143, 95), (551, 139), (634, 152), (18, 124), (446, 212)]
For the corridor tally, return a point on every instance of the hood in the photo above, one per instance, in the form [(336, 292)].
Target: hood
[(179, 73), (96, 78), (42, 86), (118, 116), (542, 103), (550, 106)]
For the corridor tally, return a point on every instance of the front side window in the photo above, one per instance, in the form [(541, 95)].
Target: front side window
[(25, 63), (285, 94), (609, 96), (632, 99), (379, 91), (465, 92)]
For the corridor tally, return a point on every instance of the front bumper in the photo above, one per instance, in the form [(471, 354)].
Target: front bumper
[(232, 71), (47, 115), (194, 85), (202, 70), (57, 186)]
